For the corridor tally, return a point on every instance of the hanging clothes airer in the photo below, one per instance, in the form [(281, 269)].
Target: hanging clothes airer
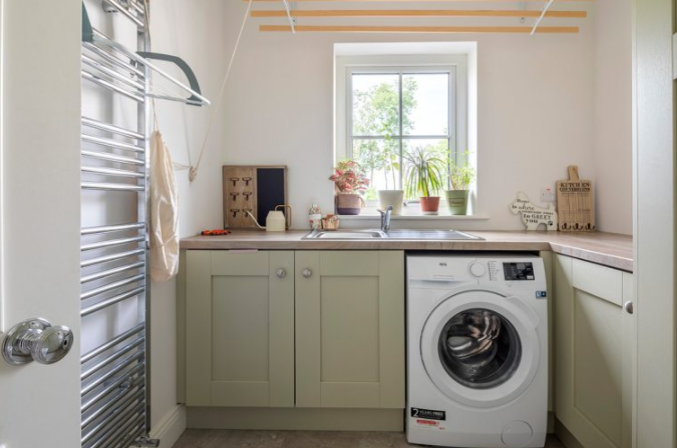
[(92, 37)]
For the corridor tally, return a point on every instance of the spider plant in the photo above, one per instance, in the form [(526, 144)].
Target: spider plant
[(424, 173)]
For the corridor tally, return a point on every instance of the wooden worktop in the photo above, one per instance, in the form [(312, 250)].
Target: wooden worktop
[(607, 249)]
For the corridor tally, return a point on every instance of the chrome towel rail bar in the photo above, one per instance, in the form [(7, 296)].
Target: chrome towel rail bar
[(124, 418), (138, 21), (112, 358), (110, 243), (112, 157), (111, 187), (92, 123), (115, 228), (112, 301), (109, 85), (108, 71), (112, 343), (112, 172), (116, 385), (112, 286), (111, 143), (110, 57), (111, 257), (108, 419), (120, 367), (117, 438), (109, 272), (117, 400)]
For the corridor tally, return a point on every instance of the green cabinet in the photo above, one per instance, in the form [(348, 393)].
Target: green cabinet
[(350, 329), (239, 329), (305, 329), (594, 349)]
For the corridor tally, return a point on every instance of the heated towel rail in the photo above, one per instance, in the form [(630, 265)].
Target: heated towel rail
[(115, 160)]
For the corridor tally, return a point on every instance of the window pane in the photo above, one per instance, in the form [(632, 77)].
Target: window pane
[(437, 150), (376, 102), (425, 104), (380, 159)]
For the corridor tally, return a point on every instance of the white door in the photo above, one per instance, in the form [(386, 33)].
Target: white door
[(40, 210)]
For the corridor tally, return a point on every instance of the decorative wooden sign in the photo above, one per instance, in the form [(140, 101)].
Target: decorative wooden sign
[(532, 215), (575, 203), (256, 189)]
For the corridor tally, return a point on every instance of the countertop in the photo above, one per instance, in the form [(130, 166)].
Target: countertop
[(607, 249)]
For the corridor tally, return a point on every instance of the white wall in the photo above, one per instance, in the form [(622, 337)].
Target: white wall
[(613, 115), (195, 32), (536, 103)]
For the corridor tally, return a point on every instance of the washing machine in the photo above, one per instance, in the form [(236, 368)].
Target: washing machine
[(477, 351)]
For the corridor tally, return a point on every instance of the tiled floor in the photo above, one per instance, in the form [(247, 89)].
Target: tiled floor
[(206, 438)]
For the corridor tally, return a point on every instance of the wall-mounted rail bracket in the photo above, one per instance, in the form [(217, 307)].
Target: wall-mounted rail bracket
[(147, 442), (545, 11), (522, 6)]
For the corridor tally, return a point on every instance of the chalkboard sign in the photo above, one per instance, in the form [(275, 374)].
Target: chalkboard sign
[(253, 189)]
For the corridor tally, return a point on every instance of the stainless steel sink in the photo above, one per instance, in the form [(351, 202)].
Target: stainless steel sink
[(360, 234), (344, 234)]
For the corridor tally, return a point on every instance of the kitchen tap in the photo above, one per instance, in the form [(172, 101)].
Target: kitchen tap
[(385, 218)]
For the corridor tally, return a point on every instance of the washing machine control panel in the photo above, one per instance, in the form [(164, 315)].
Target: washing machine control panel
[(521, 271)]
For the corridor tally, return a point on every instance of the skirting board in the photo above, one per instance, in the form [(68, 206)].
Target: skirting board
[(300, 419), (170, 427)]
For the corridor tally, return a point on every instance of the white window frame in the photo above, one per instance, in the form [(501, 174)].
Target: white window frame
[(456, 65)]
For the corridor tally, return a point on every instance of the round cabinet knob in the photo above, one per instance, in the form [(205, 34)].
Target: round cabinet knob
[(281, 273), (36, 340), (477, 270), (307, 273), (629, 307)]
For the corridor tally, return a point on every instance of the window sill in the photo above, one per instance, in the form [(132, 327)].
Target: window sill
[(443, 216)]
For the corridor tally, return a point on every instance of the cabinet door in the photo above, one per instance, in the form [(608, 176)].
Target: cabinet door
[(350, 329), (593, 342), (240, 329)]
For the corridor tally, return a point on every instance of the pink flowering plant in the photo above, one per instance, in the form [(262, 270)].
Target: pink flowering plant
[(350, 178)]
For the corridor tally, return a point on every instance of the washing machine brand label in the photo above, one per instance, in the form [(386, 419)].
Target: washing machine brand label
[(541, 294), (428, 414)]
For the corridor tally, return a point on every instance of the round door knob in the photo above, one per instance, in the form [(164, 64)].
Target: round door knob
[(281, 273), (629, 307), (36, 340), (307, 273), (477, 270)]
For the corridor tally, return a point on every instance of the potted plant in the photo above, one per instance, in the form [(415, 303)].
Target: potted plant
[(350, 182), (424, 177), (460, 177)]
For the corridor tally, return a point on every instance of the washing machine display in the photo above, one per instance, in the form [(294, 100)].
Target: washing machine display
[(518, 271), (480, 348)]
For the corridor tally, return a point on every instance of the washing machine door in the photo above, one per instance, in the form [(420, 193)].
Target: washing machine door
[(481, 348)]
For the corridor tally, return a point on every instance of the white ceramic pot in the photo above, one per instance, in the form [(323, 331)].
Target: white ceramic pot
[(391, 197)]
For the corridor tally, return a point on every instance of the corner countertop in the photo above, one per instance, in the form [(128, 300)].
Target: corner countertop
[(608, 249)]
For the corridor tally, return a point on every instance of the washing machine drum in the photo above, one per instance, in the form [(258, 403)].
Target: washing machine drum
[(480, 348)]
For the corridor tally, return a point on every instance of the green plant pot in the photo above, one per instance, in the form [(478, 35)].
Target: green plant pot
[(457, 200)]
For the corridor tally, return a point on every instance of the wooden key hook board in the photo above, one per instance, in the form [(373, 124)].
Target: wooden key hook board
[(575, 203)]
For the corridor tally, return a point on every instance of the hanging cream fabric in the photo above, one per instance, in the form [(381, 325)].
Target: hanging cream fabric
[(164, 212)]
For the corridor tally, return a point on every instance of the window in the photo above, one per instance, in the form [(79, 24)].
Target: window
[(394, 112), (389, 107)]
